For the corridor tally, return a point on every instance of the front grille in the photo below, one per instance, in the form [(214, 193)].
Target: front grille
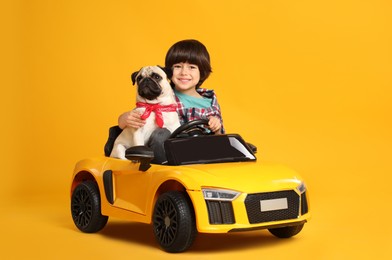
[(255, 215), (304, 204), (220, 212)]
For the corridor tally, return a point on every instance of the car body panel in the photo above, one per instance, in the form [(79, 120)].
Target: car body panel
[(135, 191)]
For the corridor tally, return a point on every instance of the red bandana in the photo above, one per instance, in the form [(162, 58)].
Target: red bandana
[(158, 109)]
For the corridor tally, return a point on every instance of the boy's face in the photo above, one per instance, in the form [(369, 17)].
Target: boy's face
[(185, 76)]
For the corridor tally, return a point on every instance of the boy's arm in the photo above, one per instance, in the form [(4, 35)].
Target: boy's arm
[(130, 119)]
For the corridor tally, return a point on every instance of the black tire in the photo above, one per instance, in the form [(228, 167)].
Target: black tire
[(286, 232), (174, 222), (86, 208)]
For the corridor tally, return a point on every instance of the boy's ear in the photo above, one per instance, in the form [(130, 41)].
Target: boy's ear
[(133, 77), (168, 71)]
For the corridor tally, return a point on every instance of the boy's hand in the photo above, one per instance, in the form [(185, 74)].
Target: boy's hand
[(214, 124), (130, 119)]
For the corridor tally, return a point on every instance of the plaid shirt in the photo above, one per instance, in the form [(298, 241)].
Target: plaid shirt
[(193, 113)]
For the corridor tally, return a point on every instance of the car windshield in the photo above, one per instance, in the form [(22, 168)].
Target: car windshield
[(207, 149)]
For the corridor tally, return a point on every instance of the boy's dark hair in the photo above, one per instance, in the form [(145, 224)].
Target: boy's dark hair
[(193, 52)]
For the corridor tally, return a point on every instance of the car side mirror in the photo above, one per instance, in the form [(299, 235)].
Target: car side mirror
[(252, 147), (140, 153)]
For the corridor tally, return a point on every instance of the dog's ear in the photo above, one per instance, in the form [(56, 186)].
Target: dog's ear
[(133, 77), (168, 71)]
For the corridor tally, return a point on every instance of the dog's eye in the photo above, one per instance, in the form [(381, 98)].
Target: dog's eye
[(156, 76)]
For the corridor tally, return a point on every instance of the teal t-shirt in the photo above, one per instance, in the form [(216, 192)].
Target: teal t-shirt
[(190, 101)]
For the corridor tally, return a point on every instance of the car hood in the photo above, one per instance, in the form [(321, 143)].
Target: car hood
[(243, 176)]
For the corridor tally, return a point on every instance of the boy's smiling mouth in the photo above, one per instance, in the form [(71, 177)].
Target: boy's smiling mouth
[(184, 80)]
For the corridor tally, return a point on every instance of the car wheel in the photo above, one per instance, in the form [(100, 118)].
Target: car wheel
[(174, 222), (286, 232), (86, 208)]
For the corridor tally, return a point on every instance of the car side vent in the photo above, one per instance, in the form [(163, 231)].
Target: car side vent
[(108, 184), (304, 204), (220, 212)]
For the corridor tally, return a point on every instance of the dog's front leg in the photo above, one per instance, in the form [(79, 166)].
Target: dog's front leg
[(118, 151), (138, 137)]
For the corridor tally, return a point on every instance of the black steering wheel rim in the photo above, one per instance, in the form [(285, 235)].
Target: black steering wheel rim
[(189, 125)]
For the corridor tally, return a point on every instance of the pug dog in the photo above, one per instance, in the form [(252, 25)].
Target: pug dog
[(156, 103)]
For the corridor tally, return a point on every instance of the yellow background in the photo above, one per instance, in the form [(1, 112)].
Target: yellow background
[(308, 82)]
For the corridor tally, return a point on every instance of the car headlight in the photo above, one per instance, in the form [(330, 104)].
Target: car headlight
[(218, 194), (301, 187)]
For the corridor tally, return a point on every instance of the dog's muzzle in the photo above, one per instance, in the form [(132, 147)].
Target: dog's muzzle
[(149, 89)]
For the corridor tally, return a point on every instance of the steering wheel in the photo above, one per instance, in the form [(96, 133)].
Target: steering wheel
[(192, 128)]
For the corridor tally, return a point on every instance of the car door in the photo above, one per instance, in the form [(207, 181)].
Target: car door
[(130, 187)]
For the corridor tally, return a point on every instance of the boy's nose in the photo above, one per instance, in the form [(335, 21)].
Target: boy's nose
[(184, 70)]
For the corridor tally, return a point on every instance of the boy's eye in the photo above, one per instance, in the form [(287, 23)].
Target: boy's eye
[(179, 66)]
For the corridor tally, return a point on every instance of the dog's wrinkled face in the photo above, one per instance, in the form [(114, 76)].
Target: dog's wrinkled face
[(149, 80)]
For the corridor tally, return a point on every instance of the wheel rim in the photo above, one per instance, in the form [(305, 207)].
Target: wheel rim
[(82, 208), (165, 222)]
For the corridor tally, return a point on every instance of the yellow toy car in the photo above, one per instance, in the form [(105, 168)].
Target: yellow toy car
[(209, 184)]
